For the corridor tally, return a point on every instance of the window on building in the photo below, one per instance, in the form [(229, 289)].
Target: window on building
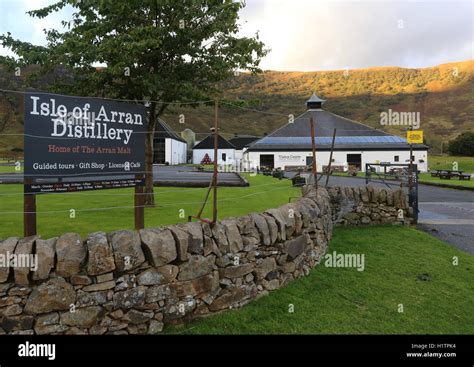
[(396, 158), (224, 156)]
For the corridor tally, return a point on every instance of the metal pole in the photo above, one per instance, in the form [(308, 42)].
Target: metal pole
[(313, 147), (410, 170), (216, 144), (410, 180), (330, 156), (211, 185)]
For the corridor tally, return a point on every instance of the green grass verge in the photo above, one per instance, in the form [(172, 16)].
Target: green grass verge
[(446, 162), (10, 169), (426, 178), (346, 301), (173, 206)]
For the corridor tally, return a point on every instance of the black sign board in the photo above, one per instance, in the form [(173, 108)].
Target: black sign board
[(75, 144), (73, 137)]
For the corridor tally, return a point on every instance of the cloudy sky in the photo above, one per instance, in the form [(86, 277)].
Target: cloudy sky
[(310, 35)]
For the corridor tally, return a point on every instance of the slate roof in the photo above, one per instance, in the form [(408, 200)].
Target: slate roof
[(350, 135), (315, 98), (240, 142), (208, 143), (163, 130)]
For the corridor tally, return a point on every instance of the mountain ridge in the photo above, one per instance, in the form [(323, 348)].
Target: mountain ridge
[(443, 95)]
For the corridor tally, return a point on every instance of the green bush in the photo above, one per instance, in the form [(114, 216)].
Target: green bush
[(463, 145)]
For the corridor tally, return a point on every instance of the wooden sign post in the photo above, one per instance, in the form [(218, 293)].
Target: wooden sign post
[(29, 210), (139, 207)]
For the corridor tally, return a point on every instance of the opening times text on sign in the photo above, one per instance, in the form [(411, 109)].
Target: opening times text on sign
[(44, 188)]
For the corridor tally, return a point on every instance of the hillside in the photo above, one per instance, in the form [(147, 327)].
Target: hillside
[(442, 94)]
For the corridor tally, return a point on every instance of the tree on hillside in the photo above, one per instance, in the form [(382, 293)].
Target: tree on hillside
[(158, 50), (463, 144)]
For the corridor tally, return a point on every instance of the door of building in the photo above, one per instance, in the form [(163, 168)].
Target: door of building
[(355, 160), (267, 161)]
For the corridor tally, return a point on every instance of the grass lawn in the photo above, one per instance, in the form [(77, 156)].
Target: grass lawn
[(173, 206), (439, 162), (426, 178), (10, 169), (446, 162), (346, 301)]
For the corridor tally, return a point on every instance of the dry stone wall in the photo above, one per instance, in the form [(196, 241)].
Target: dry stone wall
[(129, 282), (368, 205)]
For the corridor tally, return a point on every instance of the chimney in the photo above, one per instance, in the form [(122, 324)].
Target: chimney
[(314, 102)]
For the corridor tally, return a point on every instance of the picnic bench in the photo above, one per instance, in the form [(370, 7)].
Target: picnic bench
[(447, 174)]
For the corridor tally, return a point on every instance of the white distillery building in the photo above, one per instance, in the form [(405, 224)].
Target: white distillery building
[(356, 144), (169, 147), (225, 150), (241, 144)]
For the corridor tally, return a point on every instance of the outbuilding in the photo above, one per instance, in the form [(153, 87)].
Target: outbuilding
[(169, 147), (225, 150), (356, 144)]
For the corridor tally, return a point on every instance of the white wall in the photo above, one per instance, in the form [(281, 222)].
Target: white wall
[(175, 151), (239, 154), (283, 159), (198, 155)]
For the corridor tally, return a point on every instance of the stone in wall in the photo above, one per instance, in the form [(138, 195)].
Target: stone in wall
[(182, 239), (295, 247), (101, 256), (54, 295), (233, 235), (155, 276), (236, 271), (262, 228), (272, 228), (128, 253), (45, 252), (82, 317), (196, 267), (7, 247), (196, 240), (24, 248), (70, 253), (159, 246), (219, 235), (195, 287)]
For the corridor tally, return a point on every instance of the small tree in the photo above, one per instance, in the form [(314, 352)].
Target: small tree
[(463, 144), (160, 50)]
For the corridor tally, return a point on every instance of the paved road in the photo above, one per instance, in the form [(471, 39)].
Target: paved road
[(163, 176), (188, 176)]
